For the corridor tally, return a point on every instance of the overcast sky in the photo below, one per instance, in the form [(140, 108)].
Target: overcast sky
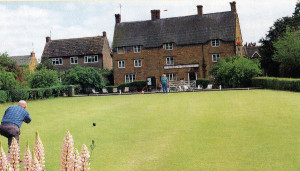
[(24, 25)]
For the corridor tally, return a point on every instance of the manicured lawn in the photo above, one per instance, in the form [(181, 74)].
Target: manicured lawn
[(228, 130)]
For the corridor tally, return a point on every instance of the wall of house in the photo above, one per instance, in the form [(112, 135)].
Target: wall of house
[(107, 58), (33, 64), (67, 63), (154, 60), (238, 36)]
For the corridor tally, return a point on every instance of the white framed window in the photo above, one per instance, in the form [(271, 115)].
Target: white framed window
[(121, 64), (129, 78), (121, 50), (168, 46), (170, 61), (137, 63), (171, 76), (91, 59), (137, 49), (215, 43), (57, 61), (74, 60), (215, 57)]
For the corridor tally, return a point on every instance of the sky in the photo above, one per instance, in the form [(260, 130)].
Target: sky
[(24, 25)]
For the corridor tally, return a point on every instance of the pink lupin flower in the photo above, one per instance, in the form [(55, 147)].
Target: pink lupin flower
[(67, 156), (39, 151), (14, 155), (77, 160), (85, 156), (3, 159), (35, 166), (27, 158)]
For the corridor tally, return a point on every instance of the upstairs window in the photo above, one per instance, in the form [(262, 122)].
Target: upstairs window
[(215, 43), (137, 63), (170, 61), (137, 49), (215, 57), (121, 50), (168, 46), (121, 64), (57, 61), (74, 60), (91, 59), (129, 78)]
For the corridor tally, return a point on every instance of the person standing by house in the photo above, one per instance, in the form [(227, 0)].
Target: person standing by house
[(164, 83), (12, 121)]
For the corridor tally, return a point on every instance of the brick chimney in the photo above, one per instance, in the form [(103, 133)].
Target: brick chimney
[(32, 54), (155, 14), (200, 10), (104, 33), (118, 18), (233, 6), (48, 39)]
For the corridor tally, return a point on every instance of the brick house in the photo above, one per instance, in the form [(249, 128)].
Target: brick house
[(86, 52), (26, 60), (183, 48)]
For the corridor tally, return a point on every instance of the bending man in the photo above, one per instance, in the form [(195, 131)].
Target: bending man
[(12, 121)]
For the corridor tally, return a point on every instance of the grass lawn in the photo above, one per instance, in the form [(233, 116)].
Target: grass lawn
[(227, 130)]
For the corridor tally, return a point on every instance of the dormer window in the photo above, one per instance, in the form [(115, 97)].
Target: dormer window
[(215, 43), (137, 49), (168, 46), (121, 50)]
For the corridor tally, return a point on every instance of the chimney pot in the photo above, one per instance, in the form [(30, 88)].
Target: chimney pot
[(118, 18), (233, 6), (32, 54), (104, 33), (48, 39), (200, 10), (155, 14)]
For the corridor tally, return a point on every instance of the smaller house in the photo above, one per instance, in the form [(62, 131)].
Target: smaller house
[(86, 52), (26, 60), (251, 51)]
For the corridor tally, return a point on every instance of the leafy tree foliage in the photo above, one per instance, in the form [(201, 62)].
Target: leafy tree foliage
[(7, 80), (267, 50), (287, 53), (86, 77), (235, 72), (45, 63), (43, 78), (8, 65)]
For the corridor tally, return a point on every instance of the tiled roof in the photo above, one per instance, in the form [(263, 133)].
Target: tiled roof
[(74, 47), (21, 60), (251, 50), (185, 30)]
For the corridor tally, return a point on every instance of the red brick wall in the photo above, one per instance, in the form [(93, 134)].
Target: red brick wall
[(154, 60)]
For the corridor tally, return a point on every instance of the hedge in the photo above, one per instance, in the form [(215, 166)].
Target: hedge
[(289, 84), (204, 82), (134, 86), (32, 94)]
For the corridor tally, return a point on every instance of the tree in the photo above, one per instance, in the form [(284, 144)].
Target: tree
[(86, 77), (7, 81), (278, 29), (8, 65), (43, 78), (45, 63), (234, 72), (287, 53)]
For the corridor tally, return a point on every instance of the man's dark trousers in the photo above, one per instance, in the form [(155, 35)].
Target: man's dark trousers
[(10, 131)]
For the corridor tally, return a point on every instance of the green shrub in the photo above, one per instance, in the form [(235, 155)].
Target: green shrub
[(3, 96), (234, 72), (204, 82), (289, 84), (7, 80), (43, 78), (19, 94), (86, 77)]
